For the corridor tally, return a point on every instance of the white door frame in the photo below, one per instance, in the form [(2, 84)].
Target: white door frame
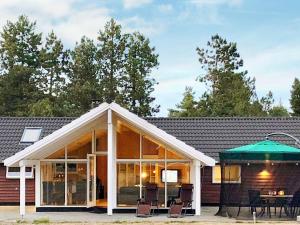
[(91, 202)]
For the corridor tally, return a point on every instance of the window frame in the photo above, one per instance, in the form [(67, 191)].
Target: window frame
[(31, 128), (16, 175), (226, 182)]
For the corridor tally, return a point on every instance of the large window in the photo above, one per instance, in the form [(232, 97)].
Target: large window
[(141, 160), (52, 183), (232, 174), (152, 173), (177, 173), (128, 183), (76, 177)]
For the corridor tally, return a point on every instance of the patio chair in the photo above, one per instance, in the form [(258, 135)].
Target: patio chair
[(183, 202), (255, 201), (279, 202), (147, 204), (292, 207)]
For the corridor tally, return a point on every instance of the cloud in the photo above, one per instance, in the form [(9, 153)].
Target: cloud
[(70, 19), (165, 8), (203, 3), (275, 69), (130, 4), (136, 23)]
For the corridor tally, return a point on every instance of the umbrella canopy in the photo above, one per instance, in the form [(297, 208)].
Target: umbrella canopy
[(263, 150)]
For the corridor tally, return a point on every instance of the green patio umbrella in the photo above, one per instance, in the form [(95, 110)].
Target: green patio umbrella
[(261, 151)]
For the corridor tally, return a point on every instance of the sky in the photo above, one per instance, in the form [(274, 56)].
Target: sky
[(267, 35)]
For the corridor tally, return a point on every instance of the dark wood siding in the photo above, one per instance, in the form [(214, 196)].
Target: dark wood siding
[(10, 189), (210, 193), (277, 176)]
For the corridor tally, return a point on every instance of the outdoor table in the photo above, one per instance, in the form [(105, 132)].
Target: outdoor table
[(269, 198)]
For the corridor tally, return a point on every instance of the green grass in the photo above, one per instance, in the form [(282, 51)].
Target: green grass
[(41, 220)]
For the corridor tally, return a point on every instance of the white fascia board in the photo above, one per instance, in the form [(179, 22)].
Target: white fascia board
[(58, 134), (162, 135)]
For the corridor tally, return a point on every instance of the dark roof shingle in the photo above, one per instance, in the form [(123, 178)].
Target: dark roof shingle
[(208, 135)]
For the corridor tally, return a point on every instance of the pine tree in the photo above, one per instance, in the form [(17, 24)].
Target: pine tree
[(20, 46), (295, 97), (111, 60), (51, 78), (84, 83), (188, 107), (138, 86)]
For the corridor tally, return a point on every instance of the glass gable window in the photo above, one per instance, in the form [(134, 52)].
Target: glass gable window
[(80, 148), (60, 154), (152, 150), (101, 141), (128, 143), (141, 159), (31, 134)]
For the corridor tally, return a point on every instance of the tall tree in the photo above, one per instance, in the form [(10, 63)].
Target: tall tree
[(111, 60), (51, 78), (84, 83), (295, 97), (231, 91), (188, 107), (138, 86), (19, 63), (54, 60)]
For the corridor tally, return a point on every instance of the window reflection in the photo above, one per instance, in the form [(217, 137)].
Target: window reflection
[(53, 183)]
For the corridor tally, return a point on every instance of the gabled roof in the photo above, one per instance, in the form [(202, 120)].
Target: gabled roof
[(95, 113), (11, 130)]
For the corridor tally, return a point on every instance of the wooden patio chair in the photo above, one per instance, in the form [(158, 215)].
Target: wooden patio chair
[(184, 201), (147, 204)]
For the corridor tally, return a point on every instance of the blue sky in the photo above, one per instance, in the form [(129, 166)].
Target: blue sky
[(267, 33)]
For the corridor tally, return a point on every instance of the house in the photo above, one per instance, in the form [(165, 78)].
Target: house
[(71, 163), (103, 158)]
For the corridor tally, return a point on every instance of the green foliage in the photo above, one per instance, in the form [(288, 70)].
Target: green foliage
[(188, 107), (137, 83), (54, 62), (278, 111), (84, 83), (295, 97), (44, 79), (111, 60), (19, 65), (230, 91)]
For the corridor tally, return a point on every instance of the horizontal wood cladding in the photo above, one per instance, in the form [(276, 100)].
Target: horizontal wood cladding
[(210, 193), (10, 189), (263, 177)]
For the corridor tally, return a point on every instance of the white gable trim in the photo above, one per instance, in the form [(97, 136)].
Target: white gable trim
[(123, 113), (58, 134)]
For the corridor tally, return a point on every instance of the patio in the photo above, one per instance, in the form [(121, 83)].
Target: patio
[(10, 214), (266, 186)]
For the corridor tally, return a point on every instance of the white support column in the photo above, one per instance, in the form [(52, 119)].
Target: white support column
[(111, 170), (197, 186), (38, 189), (22, 188)]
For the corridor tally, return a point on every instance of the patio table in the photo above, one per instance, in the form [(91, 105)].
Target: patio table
[(272, 198)]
